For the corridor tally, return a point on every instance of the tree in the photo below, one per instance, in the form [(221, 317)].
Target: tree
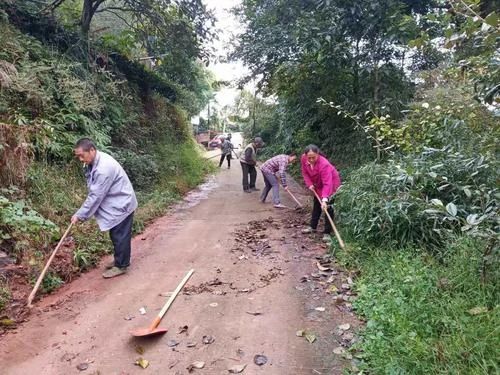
[(145, 14)]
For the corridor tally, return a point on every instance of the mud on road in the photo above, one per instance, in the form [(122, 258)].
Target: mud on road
[(262, 292)]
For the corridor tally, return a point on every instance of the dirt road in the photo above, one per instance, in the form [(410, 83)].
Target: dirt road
[(256, 284)]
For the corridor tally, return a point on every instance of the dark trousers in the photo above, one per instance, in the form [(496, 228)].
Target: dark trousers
[(248, 170), (316, 214), (226, 156), (121, 236)]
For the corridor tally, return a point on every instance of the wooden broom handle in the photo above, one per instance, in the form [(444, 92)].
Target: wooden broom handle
[(337, 234), (157, 320), (42, 275)]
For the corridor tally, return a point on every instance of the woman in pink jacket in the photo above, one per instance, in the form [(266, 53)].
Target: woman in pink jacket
[(320, 176)]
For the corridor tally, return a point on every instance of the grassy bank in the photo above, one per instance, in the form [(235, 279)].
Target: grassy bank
[(425, 316)]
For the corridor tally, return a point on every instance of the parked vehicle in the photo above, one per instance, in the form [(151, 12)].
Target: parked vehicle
[(216, 141)]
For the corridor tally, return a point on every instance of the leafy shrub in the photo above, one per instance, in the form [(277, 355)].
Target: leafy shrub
[(142, 169), (421, 199), (50, 282), (4, 294), (19, 222), (426, 317), (447, 116)]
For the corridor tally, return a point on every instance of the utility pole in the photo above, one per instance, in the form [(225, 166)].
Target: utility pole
[(208, 120), (254, 107)]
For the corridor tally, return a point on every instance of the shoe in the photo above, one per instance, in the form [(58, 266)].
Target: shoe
[(247, 191), (254, 189), (327, 238), (109, 265), (113, 272), (279, 205), (262, 200), (308, 230)]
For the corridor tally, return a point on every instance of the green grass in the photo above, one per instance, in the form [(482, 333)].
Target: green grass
[(418, 311), (4, 294)]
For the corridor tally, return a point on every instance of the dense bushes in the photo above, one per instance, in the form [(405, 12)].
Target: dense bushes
[(421, 199)]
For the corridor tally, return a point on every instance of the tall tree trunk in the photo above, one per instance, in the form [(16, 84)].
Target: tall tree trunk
[(355, 83), (86, 19)]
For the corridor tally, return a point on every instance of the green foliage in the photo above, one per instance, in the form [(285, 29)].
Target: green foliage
[(425, 317), (141, 169), (50, 282), (449, 116), (421, 199), (19, 223), (5, 294)]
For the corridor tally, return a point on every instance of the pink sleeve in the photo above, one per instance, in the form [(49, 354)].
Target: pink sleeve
[(305, 172), (336, 179), (327, 180)]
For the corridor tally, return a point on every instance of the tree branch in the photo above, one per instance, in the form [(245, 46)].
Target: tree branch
[(114, 8)]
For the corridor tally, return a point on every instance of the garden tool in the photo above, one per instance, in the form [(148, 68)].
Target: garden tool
[(153, 329), (44, 271), (337, 234)]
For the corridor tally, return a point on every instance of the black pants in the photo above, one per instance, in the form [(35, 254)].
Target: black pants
[(121, 236), (248, 170), (316, 214), (228, 158)]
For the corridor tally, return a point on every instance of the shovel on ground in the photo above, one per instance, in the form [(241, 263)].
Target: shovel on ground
[(153, 329)]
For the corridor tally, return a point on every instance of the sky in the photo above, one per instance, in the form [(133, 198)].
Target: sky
[(228, 26)]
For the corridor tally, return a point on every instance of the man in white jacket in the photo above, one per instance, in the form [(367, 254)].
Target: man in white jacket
[(111, 199)]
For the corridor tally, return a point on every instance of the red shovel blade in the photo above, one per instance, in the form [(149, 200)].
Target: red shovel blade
[(142, 332)]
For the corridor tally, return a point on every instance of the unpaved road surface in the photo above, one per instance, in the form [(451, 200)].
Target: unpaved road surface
[(256, 283)]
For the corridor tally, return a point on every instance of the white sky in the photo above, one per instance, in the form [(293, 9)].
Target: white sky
[(228, 26)]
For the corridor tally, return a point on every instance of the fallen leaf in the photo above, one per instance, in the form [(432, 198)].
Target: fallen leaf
[(68, 357), (139, 350), (141, 362), (196, 364), (310, 337), (7, 322), (182, 329), (190, 344), (173, 364), (344, 327), (322, 268), (320, 309), (207, 340), (172, 343), (254, 313), (260, 359), (142, 310), (236, 369), (128, 317), (82, 366), (338, 350), (300, 333), (478, 310), (214, 304), (333, 289)]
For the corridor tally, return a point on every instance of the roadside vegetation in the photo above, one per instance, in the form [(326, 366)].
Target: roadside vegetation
[(403, 97), (58, 84)]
